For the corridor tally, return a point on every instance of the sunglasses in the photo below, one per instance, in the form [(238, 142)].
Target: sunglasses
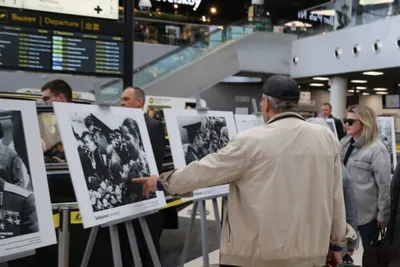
[(350, 122)]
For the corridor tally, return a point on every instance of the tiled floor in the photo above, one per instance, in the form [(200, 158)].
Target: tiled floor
[(214, 256)]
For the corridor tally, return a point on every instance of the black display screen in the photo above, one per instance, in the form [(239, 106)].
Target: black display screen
[(45, 50)]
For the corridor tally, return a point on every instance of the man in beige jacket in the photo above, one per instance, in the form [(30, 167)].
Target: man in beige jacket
[(286, 199)]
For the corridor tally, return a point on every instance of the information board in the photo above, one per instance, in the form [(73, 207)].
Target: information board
[(59, 51), (106, 9)]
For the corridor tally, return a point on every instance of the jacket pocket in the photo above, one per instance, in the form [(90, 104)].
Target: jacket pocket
[(361, 172)]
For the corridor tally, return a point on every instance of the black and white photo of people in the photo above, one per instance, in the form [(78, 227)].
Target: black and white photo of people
[(18, 214), (202, 135), (111, 154), (385, 126)]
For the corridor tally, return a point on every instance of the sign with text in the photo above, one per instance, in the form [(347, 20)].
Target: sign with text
[(105, 9), (303, 15), (194, 3)]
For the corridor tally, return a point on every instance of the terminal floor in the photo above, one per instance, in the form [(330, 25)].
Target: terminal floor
[(171, 250)]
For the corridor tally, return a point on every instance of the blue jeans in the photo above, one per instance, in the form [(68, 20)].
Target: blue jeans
[(368, 232)]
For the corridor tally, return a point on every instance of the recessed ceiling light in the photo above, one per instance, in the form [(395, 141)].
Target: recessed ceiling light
[(317, 84), (320, 78), (380, 89), (373, 73), (352, 91), (359, 81), (365, 93), (361, 87), (381, 93)]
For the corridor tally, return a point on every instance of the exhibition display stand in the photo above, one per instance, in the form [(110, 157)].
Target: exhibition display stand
[(115, 245), (201, 204)]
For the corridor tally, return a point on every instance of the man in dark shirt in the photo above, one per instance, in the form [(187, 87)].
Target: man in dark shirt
[(326, 109)]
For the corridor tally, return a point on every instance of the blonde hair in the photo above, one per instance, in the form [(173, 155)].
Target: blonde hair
[(367, 117)]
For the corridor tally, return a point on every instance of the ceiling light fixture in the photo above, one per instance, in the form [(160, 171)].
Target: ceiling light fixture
[(320, 78), (359, 81), (380, 89), (382, 93), (352, 91), (373, 73), (317, 84), (365, 93), (361, 87)]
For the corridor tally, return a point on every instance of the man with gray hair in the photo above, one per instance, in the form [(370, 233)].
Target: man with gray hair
[(286, 199)]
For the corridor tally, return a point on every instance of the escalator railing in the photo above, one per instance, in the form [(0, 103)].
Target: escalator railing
[(184, 55)]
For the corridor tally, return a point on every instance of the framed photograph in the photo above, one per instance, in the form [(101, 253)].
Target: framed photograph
[(26, 218), (245, 122), (332, 126), (193, 135), (386, 127), (106, 147)]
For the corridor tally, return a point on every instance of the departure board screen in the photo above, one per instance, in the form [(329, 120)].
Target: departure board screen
[(59, 51)]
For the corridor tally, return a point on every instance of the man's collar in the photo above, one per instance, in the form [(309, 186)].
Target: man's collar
[(284, 115)]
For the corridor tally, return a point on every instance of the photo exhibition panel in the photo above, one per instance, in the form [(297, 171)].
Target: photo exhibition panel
[(106, 147), (26, 218), (194, 134)]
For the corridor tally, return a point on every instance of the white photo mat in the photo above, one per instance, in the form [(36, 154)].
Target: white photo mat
[(387, 132), (112, 117), (245, 122), (46, 234), (176, 143)]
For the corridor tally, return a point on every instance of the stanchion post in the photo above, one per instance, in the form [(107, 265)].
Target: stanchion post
[(63, 239)]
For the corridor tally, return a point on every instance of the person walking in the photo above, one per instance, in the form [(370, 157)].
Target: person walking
[(368, 162), (286, 200)]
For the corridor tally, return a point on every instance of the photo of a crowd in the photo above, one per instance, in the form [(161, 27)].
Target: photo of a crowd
[(111, 154), (387, 134), (202, 135)]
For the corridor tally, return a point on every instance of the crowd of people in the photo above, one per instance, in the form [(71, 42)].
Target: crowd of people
[(207, 135)]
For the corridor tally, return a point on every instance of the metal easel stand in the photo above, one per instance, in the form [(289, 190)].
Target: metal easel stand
[(115, 245), (203, 227), (5, 259)]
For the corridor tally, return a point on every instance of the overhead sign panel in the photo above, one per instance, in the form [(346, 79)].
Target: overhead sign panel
[(106, 9)]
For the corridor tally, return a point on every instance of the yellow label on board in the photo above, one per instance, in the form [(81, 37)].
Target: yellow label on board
[(75, 217), (56, 220)]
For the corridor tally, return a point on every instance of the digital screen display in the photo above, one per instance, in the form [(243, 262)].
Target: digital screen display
[(60, 51)]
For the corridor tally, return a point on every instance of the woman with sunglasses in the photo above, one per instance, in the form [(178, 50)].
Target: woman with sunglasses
[(368, 162)]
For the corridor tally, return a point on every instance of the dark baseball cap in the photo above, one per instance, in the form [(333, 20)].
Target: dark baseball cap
[(282, 87)]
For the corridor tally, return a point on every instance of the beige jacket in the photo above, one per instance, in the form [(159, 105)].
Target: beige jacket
[(286, 199)]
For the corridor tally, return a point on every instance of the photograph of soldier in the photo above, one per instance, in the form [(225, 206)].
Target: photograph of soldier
[(17, 205), (111, 154), (17, 211), (387, 134), (202, 135)]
